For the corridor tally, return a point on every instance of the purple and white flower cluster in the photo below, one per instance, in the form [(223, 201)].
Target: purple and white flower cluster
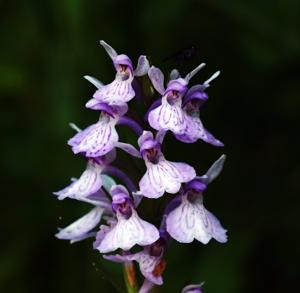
[(115, 219)]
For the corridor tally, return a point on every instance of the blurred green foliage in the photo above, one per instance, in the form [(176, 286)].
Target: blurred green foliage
[(254, 107)]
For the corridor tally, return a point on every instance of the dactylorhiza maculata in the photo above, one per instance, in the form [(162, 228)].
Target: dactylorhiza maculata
[(116, 220)]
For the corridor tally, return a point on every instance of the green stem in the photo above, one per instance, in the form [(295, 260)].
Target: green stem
[(130, 277)]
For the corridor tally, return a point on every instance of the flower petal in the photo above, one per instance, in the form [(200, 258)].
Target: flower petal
[(110, 51), (127, 233), (122, 258), (96, 140), (142, 66), (128, 148), (168, 117), (191, 221), (82, 226), (157, 79), (146, 287), (89, 182), (148, 264), (218, 232), (195, 130), (165, 177), (174, 74), (116, 93)]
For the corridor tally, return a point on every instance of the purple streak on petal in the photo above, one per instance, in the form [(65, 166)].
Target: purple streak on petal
[(116, 172), (168, 116), (157, 79), (117, 92), (127, 233), (185, 223), (97, 139), (135, 126), (191, 221), (164, 177)]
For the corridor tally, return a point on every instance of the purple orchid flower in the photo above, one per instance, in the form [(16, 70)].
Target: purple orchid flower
[(120, 91), (81, 229), (89, 182), (194, 130), (150, 260), (195, 288), (190, 220), (129, 229), (100, 138), (161, 175), (169, 115)]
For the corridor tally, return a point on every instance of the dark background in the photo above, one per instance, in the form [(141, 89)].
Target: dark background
[(46, 48)]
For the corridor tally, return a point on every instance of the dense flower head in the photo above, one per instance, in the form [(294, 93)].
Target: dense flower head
[(116, 219)]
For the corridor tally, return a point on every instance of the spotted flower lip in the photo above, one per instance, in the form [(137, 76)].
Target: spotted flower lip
[(129, 229), (169, 115), (89, 182), (161, 175), (190, 220), (100, 138), (119, 91)]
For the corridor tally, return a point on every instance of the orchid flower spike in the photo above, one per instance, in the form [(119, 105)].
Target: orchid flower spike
[(161, 175), (190, 220), (169, 115), (120, 91), (129, 228)]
